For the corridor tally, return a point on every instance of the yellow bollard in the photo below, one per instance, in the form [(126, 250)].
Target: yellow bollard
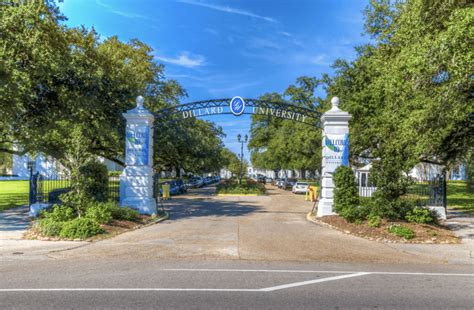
[(313, 193), (166, 191)]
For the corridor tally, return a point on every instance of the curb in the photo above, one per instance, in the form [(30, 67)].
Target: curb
[(89, 241), (158, 220), (386, 242)]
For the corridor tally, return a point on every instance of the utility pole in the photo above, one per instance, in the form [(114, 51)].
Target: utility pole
[(242, 141)]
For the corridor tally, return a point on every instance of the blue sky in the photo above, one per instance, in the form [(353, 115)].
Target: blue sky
[(224, 48)]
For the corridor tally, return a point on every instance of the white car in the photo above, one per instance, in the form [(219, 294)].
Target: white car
[(300, 188)]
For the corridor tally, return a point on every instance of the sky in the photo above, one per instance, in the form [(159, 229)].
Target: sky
[(225, 48)]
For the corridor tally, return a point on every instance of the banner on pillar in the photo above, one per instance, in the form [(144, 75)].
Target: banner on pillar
[(335, 152), (136, 151)]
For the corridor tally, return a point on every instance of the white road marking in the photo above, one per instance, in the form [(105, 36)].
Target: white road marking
[(328, 271), (261, 270), (118, 289), (266, 289), (346, 275), (290, 285)]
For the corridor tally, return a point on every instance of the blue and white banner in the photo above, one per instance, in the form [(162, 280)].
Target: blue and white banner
[(137, 146), (335, 152)]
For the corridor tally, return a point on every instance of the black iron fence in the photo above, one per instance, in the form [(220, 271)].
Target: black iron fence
[(429, 193), (423, 193), (48, 189)]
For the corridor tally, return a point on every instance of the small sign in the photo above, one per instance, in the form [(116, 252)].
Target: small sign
[(237, 106), (335, 152), (136, 151)]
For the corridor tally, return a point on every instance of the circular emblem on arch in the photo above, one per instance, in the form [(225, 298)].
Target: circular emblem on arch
[(237, 106)]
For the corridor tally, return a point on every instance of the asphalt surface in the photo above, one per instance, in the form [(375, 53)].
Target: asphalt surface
[(183, 284), (233, 253)]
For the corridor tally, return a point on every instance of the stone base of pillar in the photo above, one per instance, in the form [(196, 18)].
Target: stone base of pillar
[(142, 205), (441, 211), (136, 190), (325, 207)]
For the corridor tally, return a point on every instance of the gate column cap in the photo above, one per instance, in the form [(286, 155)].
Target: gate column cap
[(139, 109)]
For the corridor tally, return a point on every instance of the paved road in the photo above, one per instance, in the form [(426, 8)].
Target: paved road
[(236, 252), (191, 284)]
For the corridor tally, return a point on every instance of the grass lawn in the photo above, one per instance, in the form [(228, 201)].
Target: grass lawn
[(460, 196), (16, 193), (247, 187), (13, 194)]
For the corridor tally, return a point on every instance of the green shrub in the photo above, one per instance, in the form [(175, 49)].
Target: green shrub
[(346, 195), (389, 176), (401, 231), (49, 227), (59, 213), (421, 216), (94, 180), (100, 213), (77, 201), (374, 220), (80, 228), (121, 213), (389, 209), (247, 187)]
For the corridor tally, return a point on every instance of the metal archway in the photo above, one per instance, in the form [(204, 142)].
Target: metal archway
[(280, 109)]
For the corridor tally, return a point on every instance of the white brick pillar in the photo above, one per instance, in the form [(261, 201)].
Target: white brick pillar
[(136, 181), (335, 151)]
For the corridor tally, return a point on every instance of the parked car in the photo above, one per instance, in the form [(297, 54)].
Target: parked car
[(207, 180), (182, 187), (280, 183), (300, 188), (261, 179), (288, 183), (275, 181), (195, 182), (269, 180)]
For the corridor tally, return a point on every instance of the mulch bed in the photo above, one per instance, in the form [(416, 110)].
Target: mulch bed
[(116, 227), (424, 233)]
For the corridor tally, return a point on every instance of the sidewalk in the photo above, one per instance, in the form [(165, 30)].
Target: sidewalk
[(13, 224), (462, 225)]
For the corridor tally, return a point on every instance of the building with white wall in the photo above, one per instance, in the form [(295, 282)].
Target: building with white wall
[(48, 167)]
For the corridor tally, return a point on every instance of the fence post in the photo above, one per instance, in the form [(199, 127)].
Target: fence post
[(33, 188), (445, 201)]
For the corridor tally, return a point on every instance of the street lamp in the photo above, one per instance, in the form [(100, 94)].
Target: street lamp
[(242, 141)]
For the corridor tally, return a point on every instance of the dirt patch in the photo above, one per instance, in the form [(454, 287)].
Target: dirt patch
[(423, 233), (114, 228)]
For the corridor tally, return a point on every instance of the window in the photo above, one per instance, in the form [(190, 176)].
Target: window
[(363, 181)]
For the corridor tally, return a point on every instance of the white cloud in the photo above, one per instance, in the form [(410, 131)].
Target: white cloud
[(228, 9), (256, 42), (118, 12), (320, 60), (286, 34), (211, 31), (184, 59)]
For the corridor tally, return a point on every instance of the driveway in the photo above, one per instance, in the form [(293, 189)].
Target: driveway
[(271, 227)]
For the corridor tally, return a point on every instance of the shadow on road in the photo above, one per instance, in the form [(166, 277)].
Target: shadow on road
[(186, 208), (14, 219), (198, 203)]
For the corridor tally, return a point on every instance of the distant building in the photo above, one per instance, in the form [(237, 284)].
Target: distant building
[(47, 166), (282, 174)]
